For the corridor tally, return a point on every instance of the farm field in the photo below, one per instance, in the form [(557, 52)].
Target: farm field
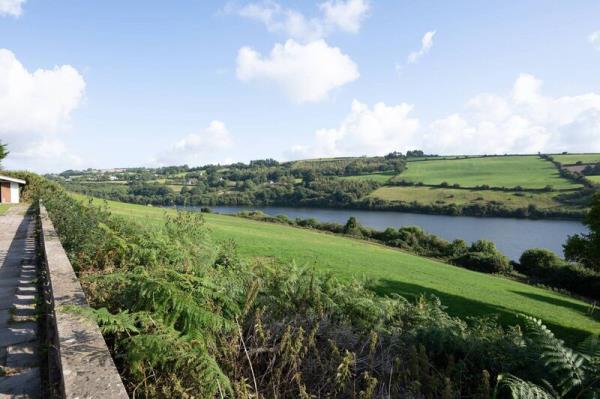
[(502, 171), (380, 177), (441, 196), (574, 158), (3, 208), (466, 293), (595, 179)]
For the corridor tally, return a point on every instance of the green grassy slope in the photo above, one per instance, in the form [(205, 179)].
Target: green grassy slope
[(595, 179), (509, 171), (466, 293), (574, 158), (435, 195), (380, 177)]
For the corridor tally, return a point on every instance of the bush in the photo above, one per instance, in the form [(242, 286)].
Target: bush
[(537, 261), (485, 262)]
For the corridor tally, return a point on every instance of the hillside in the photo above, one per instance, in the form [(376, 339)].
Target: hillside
[(536, 186), (464, 292)]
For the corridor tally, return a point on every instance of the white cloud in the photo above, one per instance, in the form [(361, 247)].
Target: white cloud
[(35, 108), (525, 121), (345, 16), (11, 7), (376, 130), (210, 145), (305, 72), (594, 39), (426, 44)]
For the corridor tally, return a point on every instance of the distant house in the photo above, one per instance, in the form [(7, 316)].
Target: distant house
[(10, 189)]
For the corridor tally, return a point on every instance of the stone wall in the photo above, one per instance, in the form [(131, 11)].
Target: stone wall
[(82, 362)]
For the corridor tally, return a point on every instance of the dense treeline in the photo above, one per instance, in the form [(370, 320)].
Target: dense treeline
[(185, 316), (308, 183), (322, 192)]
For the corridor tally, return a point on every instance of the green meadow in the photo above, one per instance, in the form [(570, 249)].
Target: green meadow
[(391, 271), (498, 171), (568, 159), (380, 177), (441, 196)]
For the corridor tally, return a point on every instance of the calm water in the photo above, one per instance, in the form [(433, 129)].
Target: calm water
[(512, 236)]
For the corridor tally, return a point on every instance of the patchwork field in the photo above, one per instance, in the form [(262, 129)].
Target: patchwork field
[(465, 293), (595, 179), (441, 196), (502, 171), (574, 158)]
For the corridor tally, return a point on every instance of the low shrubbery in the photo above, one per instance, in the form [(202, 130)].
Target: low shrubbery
[(545, 267), (187, 317)]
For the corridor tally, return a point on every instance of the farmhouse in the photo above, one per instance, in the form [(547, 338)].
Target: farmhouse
[(10, 189)]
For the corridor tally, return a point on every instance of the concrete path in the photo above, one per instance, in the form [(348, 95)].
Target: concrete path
[(19, 361)]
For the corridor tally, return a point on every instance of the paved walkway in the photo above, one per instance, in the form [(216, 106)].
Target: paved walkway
[(19, 362)]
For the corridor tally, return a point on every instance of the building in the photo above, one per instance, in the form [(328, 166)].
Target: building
[(10, 189)]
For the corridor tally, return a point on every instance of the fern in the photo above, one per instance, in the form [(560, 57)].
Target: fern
[(520, 389)]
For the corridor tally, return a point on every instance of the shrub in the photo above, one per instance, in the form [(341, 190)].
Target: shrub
[(485, 262), (537, 261)]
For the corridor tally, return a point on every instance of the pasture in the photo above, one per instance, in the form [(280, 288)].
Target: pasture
[(442, 196), (529, 172), (391, 271), (569, 159), (380, 177)]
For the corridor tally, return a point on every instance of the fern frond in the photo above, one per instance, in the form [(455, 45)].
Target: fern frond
[(521, 389), (566, 366)]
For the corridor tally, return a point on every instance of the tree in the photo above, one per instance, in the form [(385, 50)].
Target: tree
[(585, 248), (3, 153)]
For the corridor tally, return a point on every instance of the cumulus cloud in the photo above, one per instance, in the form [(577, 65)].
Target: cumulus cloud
[(206, 146), (336, 15), (525, 121), (304, 72), (11, 7), (594, 39), (35, 108), (426, 44)]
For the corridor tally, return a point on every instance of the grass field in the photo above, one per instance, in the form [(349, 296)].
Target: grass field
[(380, 177), (509, 171), (3, 208), (595, 179), (441, 196), (574, 158), (465, 293)]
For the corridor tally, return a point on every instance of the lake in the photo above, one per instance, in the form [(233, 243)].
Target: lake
[(512, 236)]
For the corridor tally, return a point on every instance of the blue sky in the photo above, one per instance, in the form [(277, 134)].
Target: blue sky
[(129, 83)]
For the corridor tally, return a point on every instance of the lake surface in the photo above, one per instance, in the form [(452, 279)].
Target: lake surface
[(512, 236)]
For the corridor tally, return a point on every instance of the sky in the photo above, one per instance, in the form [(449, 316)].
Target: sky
[(111, 83)]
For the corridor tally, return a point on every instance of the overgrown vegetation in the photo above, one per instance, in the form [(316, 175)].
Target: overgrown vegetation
[(188, 317)]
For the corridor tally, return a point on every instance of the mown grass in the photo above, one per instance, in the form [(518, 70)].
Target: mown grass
[(442, 196), (500, 171), (466, 293), (380, 177), (3, 208), (574, 158)]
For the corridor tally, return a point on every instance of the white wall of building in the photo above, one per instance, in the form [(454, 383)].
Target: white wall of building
[(14, 193)]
